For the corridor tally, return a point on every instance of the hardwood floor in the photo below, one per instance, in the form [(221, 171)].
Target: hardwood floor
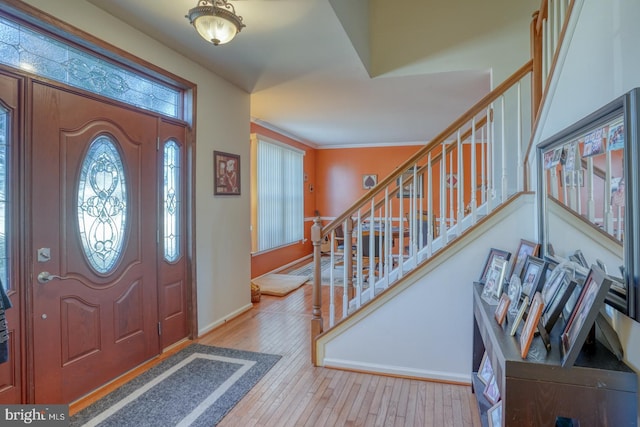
[(295, 393)]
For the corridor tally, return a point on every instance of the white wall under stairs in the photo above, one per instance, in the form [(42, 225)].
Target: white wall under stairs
[(422, 326)]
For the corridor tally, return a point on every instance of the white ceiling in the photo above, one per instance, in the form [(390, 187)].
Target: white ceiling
[(320, 72)]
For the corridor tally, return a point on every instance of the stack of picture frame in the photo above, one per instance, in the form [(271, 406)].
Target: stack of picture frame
[(491, 392), (551, 289)]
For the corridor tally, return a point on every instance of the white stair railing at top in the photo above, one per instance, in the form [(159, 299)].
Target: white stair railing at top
[(551, 23), (430, 200)]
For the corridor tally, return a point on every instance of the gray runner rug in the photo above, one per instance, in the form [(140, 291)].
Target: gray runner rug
[(196, 387)]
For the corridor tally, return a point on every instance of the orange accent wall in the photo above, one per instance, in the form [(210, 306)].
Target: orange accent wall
[(339, 173)]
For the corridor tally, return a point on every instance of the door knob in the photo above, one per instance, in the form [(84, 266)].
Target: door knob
[(45, 277)]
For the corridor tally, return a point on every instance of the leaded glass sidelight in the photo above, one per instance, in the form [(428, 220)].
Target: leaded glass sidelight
[(4, 199), (171, 201), (102, 204)]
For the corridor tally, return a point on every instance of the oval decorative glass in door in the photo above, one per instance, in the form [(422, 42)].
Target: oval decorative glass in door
[(102, 204)]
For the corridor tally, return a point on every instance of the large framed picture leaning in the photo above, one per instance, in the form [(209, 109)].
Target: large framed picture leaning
[(590, 169), (584, 314)]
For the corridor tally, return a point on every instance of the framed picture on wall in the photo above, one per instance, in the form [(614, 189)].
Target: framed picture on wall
[(226, 173), (369, 181)]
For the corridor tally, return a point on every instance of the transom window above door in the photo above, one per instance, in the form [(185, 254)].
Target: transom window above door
[(27, 49)]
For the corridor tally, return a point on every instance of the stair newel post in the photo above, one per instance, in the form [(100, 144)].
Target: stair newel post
[(316, 320)]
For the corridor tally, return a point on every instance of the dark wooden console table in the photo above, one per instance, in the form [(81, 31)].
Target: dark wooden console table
[(599, 390)]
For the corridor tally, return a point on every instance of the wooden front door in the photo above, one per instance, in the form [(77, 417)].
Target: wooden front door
[(94, 242)]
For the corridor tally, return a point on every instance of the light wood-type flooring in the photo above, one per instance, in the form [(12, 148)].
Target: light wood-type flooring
[(295, 393)]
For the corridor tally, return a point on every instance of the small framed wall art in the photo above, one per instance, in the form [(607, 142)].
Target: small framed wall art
[(369, 181), (226, 174)]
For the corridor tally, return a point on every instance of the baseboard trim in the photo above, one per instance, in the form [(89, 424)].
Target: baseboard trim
[(211, 326), (286, 266), (398, 371)]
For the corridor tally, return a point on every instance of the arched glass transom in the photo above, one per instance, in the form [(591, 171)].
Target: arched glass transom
[(171, 202), (102, 205)]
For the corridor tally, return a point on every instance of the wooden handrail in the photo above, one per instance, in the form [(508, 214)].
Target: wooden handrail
[(434, 160), (439, 139)]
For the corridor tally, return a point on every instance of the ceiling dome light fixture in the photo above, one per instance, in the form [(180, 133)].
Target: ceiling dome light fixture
[(215, 20)]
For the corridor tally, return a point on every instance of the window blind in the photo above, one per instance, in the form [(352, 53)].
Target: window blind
[(280, 195)]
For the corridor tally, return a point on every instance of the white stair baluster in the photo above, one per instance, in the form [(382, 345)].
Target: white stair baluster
[(474, 174), (443, 189)]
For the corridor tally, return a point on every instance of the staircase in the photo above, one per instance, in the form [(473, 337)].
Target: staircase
[(437, 198)]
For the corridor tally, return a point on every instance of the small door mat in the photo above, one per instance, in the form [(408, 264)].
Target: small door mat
[(279, 284)]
